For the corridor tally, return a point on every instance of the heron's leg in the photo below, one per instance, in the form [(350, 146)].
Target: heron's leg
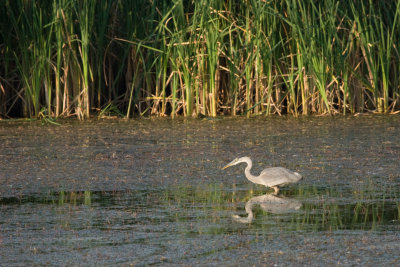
[(276, 190)]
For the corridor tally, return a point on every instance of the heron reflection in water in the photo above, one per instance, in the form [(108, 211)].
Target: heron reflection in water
[(269, 203), (271, 177)]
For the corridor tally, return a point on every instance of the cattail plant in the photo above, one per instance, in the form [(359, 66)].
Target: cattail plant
[(198, 58)]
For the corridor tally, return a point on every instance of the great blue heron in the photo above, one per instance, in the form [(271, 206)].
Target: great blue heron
[(270, 177)]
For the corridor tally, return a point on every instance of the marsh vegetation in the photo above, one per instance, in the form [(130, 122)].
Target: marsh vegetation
[(198, 58)]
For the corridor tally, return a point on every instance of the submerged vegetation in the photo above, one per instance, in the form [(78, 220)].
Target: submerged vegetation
[(75, 58), (319, 209)]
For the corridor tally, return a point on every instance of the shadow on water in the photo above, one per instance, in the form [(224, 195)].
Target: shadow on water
[(270, 203), (326, 208)]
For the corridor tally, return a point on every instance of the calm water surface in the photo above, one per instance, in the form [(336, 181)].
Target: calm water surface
[(152, 191)]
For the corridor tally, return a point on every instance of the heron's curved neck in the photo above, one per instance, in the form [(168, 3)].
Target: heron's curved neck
[(248, 173)]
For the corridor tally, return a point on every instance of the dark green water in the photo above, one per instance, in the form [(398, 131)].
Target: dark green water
[(153, 192)]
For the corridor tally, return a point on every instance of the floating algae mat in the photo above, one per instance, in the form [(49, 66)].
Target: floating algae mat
[(153, 192)]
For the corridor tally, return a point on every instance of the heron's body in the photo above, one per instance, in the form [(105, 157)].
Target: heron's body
[(271, 177)]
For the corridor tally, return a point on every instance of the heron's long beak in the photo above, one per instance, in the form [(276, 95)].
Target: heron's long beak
[(226, 166), (229, 164)]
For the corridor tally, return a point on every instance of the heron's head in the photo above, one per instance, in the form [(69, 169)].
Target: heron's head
[(234, 162)]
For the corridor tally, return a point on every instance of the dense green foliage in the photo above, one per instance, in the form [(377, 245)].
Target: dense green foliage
[(76, 58)]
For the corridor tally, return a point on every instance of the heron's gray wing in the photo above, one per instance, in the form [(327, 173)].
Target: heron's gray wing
[(277, 176)]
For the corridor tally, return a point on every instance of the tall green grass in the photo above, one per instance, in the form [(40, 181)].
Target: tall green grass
[(77, 58)]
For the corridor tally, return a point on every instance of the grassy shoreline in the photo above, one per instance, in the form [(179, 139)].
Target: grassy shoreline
[(70, 58)]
